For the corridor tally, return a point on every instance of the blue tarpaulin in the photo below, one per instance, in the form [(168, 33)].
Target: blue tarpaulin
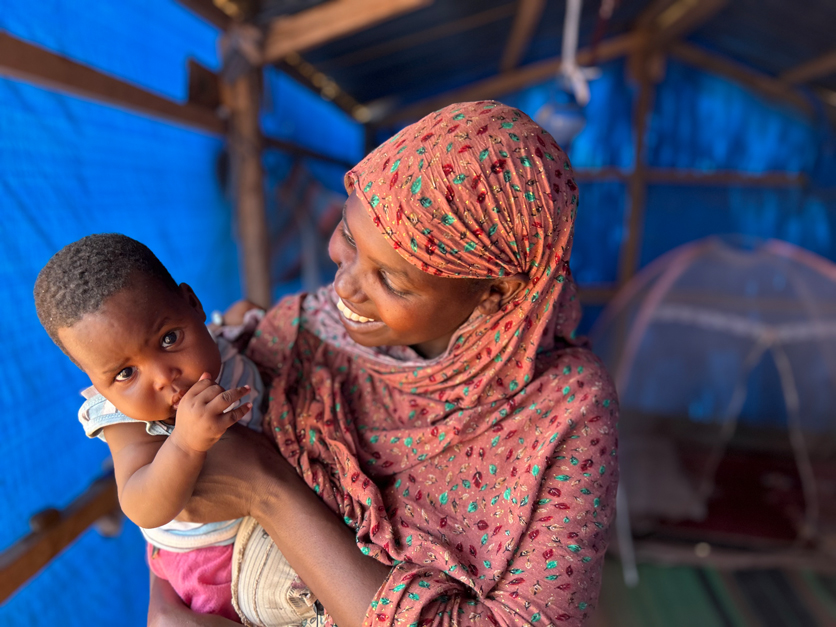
[(70, 167)]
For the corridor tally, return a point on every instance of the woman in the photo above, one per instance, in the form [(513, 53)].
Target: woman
[(435, 397)]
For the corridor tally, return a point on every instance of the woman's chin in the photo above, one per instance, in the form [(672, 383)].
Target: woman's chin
[(365, 333)]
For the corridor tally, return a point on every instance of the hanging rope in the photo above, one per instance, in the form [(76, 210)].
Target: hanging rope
[(576, 78)]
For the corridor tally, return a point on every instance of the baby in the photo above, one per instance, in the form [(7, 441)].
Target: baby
[(164, 391)]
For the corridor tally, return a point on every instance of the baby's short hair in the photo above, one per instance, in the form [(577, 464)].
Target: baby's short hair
[(83, 275)]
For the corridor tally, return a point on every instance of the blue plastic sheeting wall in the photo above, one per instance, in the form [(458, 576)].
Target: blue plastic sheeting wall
[(95, 582), (294, 113), (598, 232), (699, 122), (676, 214), (607, 138), (287, 251), (606, 141), (146, 42), (706, 122), (68, 168)]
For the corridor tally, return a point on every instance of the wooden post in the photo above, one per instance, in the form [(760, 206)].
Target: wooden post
[(641, 64), (245, 144)]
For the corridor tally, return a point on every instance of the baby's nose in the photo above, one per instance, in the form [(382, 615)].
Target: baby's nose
[(167, 376)]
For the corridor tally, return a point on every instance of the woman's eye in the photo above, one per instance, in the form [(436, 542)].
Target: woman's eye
[(169, 339), (125, 374), (388, 286), (349, 239)]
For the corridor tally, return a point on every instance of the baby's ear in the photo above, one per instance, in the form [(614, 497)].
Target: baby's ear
[(192, 299)]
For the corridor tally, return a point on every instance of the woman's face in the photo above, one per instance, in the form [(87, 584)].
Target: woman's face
[(385, 300)]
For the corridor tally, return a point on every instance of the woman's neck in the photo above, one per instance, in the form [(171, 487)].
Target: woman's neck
[(433, 348)]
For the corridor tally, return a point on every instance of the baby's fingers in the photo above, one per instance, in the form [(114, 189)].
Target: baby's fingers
[(222, 401), (204, 383), (236, 414)]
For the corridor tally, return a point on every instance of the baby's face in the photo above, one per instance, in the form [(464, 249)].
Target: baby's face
[(144, 348)]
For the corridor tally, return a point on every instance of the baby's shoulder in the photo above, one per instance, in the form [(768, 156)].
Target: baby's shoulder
[(96, 413)]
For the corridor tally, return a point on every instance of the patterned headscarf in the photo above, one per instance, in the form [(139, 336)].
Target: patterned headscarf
[(486, 476), (479, 190)]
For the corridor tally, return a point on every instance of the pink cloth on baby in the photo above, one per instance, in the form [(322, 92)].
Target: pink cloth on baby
[(202, 578)]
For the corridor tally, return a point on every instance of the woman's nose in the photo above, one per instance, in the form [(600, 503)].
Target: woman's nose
[(346, 283)]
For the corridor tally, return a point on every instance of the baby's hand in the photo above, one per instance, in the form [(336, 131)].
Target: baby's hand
[(201, 420)]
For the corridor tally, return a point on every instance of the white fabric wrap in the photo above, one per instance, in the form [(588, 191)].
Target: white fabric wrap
[(266, 591)]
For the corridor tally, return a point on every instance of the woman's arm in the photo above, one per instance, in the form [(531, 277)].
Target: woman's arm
[(244, 474)]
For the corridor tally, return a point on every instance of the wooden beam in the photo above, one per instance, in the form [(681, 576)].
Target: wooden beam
[(204, 87), (762, 83), (682, 18), (33, 64), (511, 81), (211, 12), (326, 22), (24, 559), (651, 12), (766, 556), (811, 70), (245, 143), (273, 143), (674, 176), (723, 178), (300, 70), (421, 38), (593, 175), (528, 16)]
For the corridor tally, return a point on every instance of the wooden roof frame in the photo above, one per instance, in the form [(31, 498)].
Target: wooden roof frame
[(326, 22), (507, 82), (211, 12), (525, 23), (811, 70), (25, 61)]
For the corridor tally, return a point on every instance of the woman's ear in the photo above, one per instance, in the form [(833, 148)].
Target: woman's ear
[(502, 291), (192, 299)]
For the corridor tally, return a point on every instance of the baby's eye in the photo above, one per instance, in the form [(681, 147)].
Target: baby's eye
[(169, 339), (125, 374)]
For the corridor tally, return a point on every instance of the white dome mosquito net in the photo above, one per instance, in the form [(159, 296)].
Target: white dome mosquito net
[(722, 332)]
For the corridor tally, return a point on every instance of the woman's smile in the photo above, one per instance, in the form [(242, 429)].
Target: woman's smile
[(355, 321)]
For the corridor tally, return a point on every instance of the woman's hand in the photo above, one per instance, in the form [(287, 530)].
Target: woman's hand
[(165, 609), (240, 467), (234, 315)]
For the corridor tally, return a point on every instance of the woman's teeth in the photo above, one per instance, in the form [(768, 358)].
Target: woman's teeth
[(350, 314)]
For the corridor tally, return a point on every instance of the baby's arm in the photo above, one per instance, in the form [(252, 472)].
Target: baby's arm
[(155, 475)]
